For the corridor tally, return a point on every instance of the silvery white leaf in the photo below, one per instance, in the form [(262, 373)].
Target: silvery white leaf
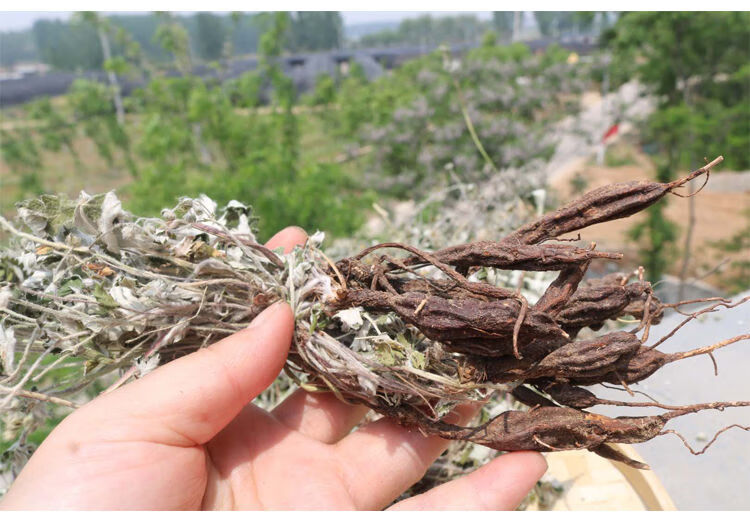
[(35, 222), (316, 239), (37, 279), (243, 228), (206, 205), (182, 248), (5, 296), (28, 261), (235, 254), (146, 366), (299, 274), (111, 212), (126, 299), (176, 333), (350, 318), (325, 286), (237, 204), (80, 219), (7, 348), (211, 265)]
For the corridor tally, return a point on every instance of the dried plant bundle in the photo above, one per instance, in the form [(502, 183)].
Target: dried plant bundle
[(87, 290)]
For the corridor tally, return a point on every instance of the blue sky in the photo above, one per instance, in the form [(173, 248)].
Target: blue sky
[(12, 21)]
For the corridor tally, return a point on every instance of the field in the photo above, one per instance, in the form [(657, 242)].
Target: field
[(62, 173)]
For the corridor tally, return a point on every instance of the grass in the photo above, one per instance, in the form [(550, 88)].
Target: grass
[(61, 172)]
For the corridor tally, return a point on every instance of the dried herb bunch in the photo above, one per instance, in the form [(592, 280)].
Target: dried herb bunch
[(88, 290)]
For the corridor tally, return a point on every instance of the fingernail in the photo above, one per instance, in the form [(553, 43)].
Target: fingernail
[(265, 316)]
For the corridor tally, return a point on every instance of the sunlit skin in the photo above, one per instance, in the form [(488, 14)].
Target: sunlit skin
[(186, 436)]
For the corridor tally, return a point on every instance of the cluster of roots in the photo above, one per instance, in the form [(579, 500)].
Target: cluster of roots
[(497, 336)]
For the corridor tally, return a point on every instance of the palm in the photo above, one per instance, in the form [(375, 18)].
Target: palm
[(258, 462), (185, 437)]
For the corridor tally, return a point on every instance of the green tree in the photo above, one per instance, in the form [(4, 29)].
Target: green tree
[(65, 46), (315, 30), (210, 35), (429, 31), (175, 39), (697, 66), (55, 129), (554, 23), (17, 47), (103, 29), (254, 156), (502, 21)]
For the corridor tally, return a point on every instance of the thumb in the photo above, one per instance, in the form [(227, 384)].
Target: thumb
[(189, 400)]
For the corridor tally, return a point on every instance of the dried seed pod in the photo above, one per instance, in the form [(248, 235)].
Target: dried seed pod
[(578, 360), (552, 428), (596, 302), (442, 288), (559, 292), (590, 357), (636, 367), (466, 325), (558, 428), (608, 452), (533, 400), (503, 255), (600, 205), (567, 395)]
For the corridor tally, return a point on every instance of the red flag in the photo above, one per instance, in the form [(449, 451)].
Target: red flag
[(610, 132)]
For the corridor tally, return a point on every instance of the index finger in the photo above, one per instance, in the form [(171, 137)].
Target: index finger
[(287, 238)]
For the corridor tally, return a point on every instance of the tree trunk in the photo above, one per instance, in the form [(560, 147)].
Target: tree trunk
[(113, 82)]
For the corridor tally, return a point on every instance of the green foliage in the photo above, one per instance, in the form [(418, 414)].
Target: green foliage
[(578, 183), (174, 39), (428, 31), (502, 21), (17, 47), (697, 65), (664, 49), (55, 131), (21, 154), (91, 105), (555, 23), (489, 39), (315, 30), (67, 46), (656, 237), (324, 92), (184, 135), (211, 33), (203, 137), (434, 114), (244, 92)]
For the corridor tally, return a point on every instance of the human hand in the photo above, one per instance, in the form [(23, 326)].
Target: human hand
[(186, 436)]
